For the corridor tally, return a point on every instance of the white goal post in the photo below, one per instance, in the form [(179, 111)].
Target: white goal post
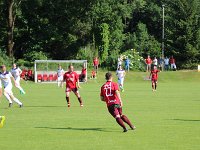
[(46, 70)]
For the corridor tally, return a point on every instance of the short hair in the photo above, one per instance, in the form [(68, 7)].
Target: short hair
[(108, 75), (70, 66)]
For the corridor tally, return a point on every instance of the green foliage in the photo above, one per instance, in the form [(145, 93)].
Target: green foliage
[(104, 44), (4, 59), (136, 60)]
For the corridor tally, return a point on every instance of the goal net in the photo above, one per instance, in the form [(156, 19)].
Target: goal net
[(46, 70)]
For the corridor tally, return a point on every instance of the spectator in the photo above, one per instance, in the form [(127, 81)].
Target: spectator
[(172, 62), (127, 64), (148, 62), (82, 76), (166, 62), (95, 64), (119, 61), (155, 61), (160, 63)]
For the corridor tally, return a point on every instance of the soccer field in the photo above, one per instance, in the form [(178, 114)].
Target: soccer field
[(168, 119)]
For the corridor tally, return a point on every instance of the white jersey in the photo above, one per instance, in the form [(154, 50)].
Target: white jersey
[(5, 79), (166, 60), (60, 72), (16, 72), (120, 73), (155, 62)]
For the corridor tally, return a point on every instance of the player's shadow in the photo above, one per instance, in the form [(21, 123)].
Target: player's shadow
[(191, 120), (75, 129), (44, 106)]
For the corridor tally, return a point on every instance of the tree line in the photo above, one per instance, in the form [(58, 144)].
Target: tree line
[(83, 29)]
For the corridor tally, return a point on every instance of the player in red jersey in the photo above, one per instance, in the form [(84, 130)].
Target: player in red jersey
[(95, 64), (72, 84), (154, 77), (110, 94)]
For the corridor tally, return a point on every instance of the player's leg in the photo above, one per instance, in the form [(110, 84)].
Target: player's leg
[(114, 112), (153, 85), (76, 92), (156, 85), (125, 119), (67, 96), (17, 80), (7, 91), (2, 119), (15, 99)]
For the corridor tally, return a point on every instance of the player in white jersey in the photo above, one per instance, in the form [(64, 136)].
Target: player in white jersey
[(60, 73), (5, 80), (121, 74), (16, 72)]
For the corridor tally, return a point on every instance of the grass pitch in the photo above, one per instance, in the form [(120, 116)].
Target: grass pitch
[(168, 119)]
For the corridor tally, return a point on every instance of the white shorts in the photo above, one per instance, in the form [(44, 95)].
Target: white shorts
[(121, 81), (173, 66), (60, 78), (8, 89), (17, 80)]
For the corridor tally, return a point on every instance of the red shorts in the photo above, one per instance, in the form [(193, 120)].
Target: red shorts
[(154, 80), (75, 90), (115, 110)]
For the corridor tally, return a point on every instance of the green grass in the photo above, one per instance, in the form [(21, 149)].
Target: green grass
[(168, 119)]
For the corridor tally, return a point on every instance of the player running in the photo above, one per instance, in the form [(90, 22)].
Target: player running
[(5, 80), (2, 119), (121, 74), (110, 94), (60, 73), (154, 78), (16, 72), (72, 84)]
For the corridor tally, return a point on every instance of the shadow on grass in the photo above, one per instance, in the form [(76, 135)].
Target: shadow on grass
[(44, 106), (75, 129), (192, 120)]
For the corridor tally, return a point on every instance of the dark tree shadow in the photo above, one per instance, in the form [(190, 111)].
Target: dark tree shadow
[(192, 120), (75, 129)]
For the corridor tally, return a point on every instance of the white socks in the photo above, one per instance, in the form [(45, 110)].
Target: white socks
[(8, 97), (17, 101)]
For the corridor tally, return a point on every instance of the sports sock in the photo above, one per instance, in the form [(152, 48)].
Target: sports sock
[(155, 86), (80, 100), (20, 88), (125, 119), (67, 99), (8, 97), (121, 123), (17, 101)]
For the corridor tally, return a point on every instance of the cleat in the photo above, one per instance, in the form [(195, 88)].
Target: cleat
[(133, 127), (81, 105), (20, 106), (68, 105), (125, 130), (2, 119), (10, 105)]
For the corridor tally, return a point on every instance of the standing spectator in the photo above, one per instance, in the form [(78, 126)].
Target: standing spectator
[(60, 73), (95, 64), (155, 61), (172, 62), (160, 63), (148, 62), (119, 61), (166, 62), (82, 76), (127, 64)]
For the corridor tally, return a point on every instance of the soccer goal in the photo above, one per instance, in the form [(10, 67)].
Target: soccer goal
[(46, 70)]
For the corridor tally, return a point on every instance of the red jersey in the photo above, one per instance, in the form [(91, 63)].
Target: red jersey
[(96, 62), (83, 71), (154, 74), (71, 78), (108, 91), (93, 73), (172, 61), (148, 61)]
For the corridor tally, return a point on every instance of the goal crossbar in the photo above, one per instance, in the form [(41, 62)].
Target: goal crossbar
[(56, 62)]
